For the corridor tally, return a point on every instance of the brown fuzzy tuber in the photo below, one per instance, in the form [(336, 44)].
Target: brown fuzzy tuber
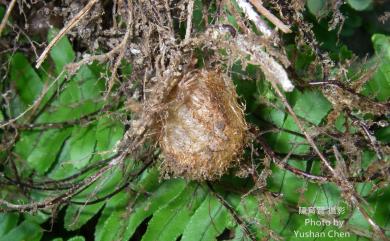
[(203, 130)]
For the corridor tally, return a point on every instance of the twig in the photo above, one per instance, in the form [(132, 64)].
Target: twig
[(55, 200), (64, 30), (190, 11), (122, 51), (273, 71), (84, 120), (272, 18), (252, 15), (270, 153), (368, 135), (73, 67), (61, 184), (242, 46), (6, 16), (301, 128), (169, 15)]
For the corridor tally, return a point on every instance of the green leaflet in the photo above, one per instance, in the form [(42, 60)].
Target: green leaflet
[(327, 195), (81, 94), (77, 215), (170, 221), (111, 223), (27, 81), (39, 217), (380, 201), (285, 142), (105, 185), (126, 69), (41, 150), (379, 86), (89, 82), (7, 222), (359, 5), (64, 166), (27, 143), (80, 97), (273, 115), (286, 182), (45, 152), (311, 106), (62, 53), (208, 222), (239, 234), (147, 206), (77, 238), (316, 7), (291, 185), (197, 17), (383, 134), (25, 231), (248, 209), (116, 227), (57, 239), (110, 228), (357, 220), (108, 133), (82, 145)]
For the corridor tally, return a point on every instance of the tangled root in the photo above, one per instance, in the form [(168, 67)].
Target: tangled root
[(203, 130)]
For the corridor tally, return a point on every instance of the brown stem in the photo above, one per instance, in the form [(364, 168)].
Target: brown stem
[(6, 16)]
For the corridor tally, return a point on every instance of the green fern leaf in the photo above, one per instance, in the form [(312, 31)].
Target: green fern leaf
[(170, 221), (7, 222), (147, 206), (62, 53), (45, 152), (108, 133), (115, 227), (28, 83), (77, 238), (77, 215), (25, 231), (110, 222), (111, 218), (82, 145), (209, 220)]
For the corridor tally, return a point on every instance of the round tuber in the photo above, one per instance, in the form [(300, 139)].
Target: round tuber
[(203, 129)]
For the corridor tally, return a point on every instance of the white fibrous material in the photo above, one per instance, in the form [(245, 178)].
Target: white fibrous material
[(203, 130), (272, 70), (241, 45), (252, 15)]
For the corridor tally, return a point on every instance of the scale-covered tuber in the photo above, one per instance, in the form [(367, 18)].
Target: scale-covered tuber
[(203, 129)]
